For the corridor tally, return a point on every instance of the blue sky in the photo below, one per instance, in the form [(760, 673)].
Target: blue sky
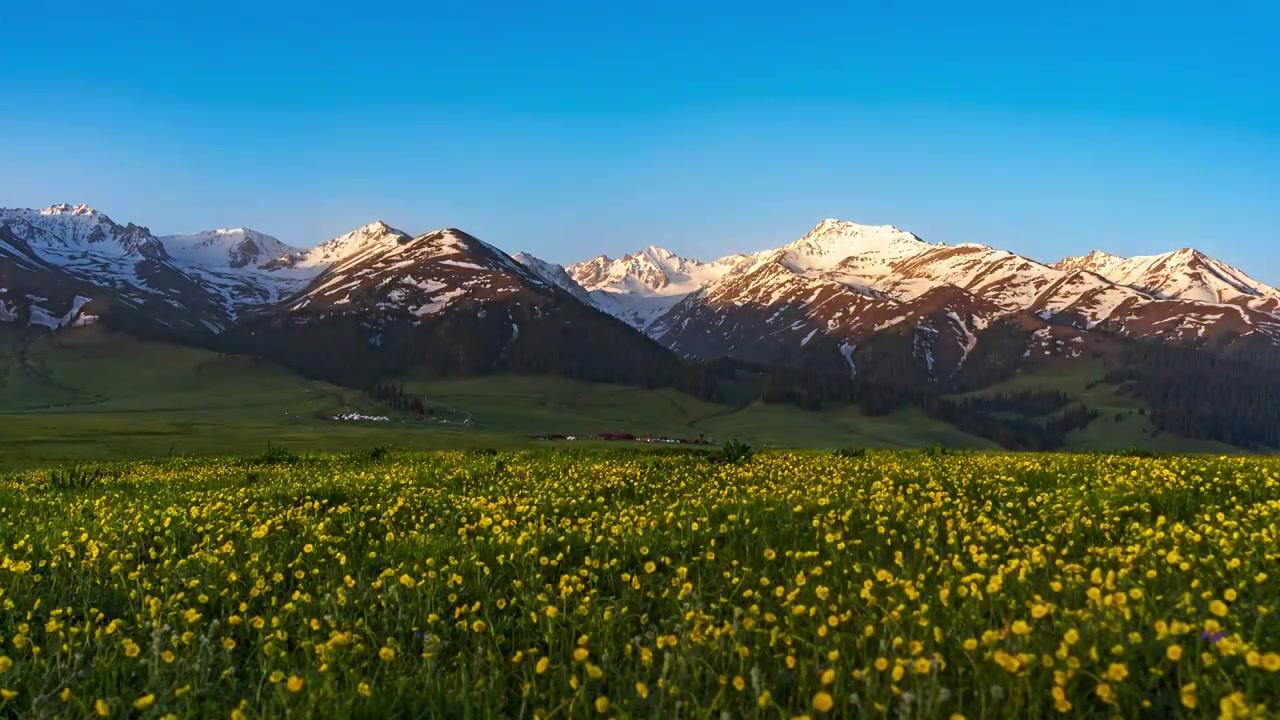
[(575, 128)]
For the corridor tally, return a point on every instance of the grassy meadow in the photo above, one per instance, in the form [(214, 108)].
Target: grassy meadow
[(89, 395), (565, 584)]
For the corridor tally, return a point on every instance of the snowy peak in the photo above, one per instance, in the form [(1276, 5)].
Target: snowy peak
[(362, 241), (62, 230), (393, 275), (641, 287), (232, 248), (67, 209), (1185, 274), (653, 271), (867, 251), (1097, 261)]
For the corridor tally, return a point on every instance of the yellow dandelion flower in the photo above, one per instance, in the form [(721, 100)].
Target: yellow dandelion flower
[(1060, 701)]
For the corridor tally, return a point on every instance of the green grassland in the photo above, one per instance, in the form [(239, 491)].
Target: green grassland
[(94, 395), (1122, 422), (519, 406)]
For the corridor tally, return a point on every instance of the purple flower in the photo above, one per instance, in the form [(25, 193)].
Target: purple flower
[(1213, 637)]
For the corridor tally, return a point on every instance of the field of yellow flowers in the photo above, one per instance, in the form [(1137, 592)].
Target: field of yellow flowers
[(559, 584)]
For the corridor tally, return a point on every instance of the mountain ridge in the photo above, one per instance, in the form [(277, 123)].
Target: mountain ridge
[(813, 301)]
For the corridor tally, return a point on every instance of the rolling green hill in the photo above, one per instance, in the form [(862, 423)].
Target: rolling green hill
[(95, 395), (91, 394), (1122, 422)]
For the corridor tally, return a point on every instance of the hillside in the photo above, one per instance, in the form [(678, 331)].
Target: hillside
[(872, 317), (79, 396), (373, 302), (813, 301)]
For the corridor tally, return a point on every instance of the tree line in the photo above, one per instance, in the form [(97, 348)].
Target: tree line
[(1197, 393)]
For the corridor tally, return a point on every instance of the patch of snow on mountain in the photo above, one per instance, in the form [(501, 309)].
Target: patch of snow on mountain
[(438, 302), (970, 340), (846, 349), (461, 264), (41, 316)]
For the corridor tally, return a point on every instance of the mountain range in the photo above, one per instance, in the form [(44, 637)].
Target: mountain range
[(843, 284), (843, 299)]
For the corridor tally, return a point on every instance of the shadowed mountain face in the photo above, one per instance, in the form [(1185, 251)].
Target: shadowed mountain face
[(844, 298)]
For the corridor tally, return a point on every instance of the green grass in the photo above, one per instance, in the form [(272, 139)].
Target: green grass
[(1107, 433), (93, 395), (522, 406)]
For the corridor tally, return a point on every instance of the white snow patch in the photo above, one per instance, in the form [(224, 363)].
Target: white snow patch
[(461, 264), (438, 302), (359, 417), (846, 349)]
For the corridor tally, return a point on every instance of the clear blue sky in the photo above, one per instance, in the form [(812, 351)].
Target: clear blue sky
[(570, 129)]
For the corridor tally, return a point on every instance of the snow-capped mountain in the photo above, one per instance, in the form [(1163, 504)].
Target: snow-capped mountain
[(371, 302), (842, 295), (555, 275), (423, 275), (826, 294), (642, 287), (72, 262), (351, 247), (1186, 274), (64, 233), (443, 300), (236, 248)]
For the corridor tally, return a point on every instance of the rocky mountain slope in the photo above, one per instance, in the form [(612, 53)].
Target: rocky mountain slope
[(372, 302), (845, 298), (817, 300)]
